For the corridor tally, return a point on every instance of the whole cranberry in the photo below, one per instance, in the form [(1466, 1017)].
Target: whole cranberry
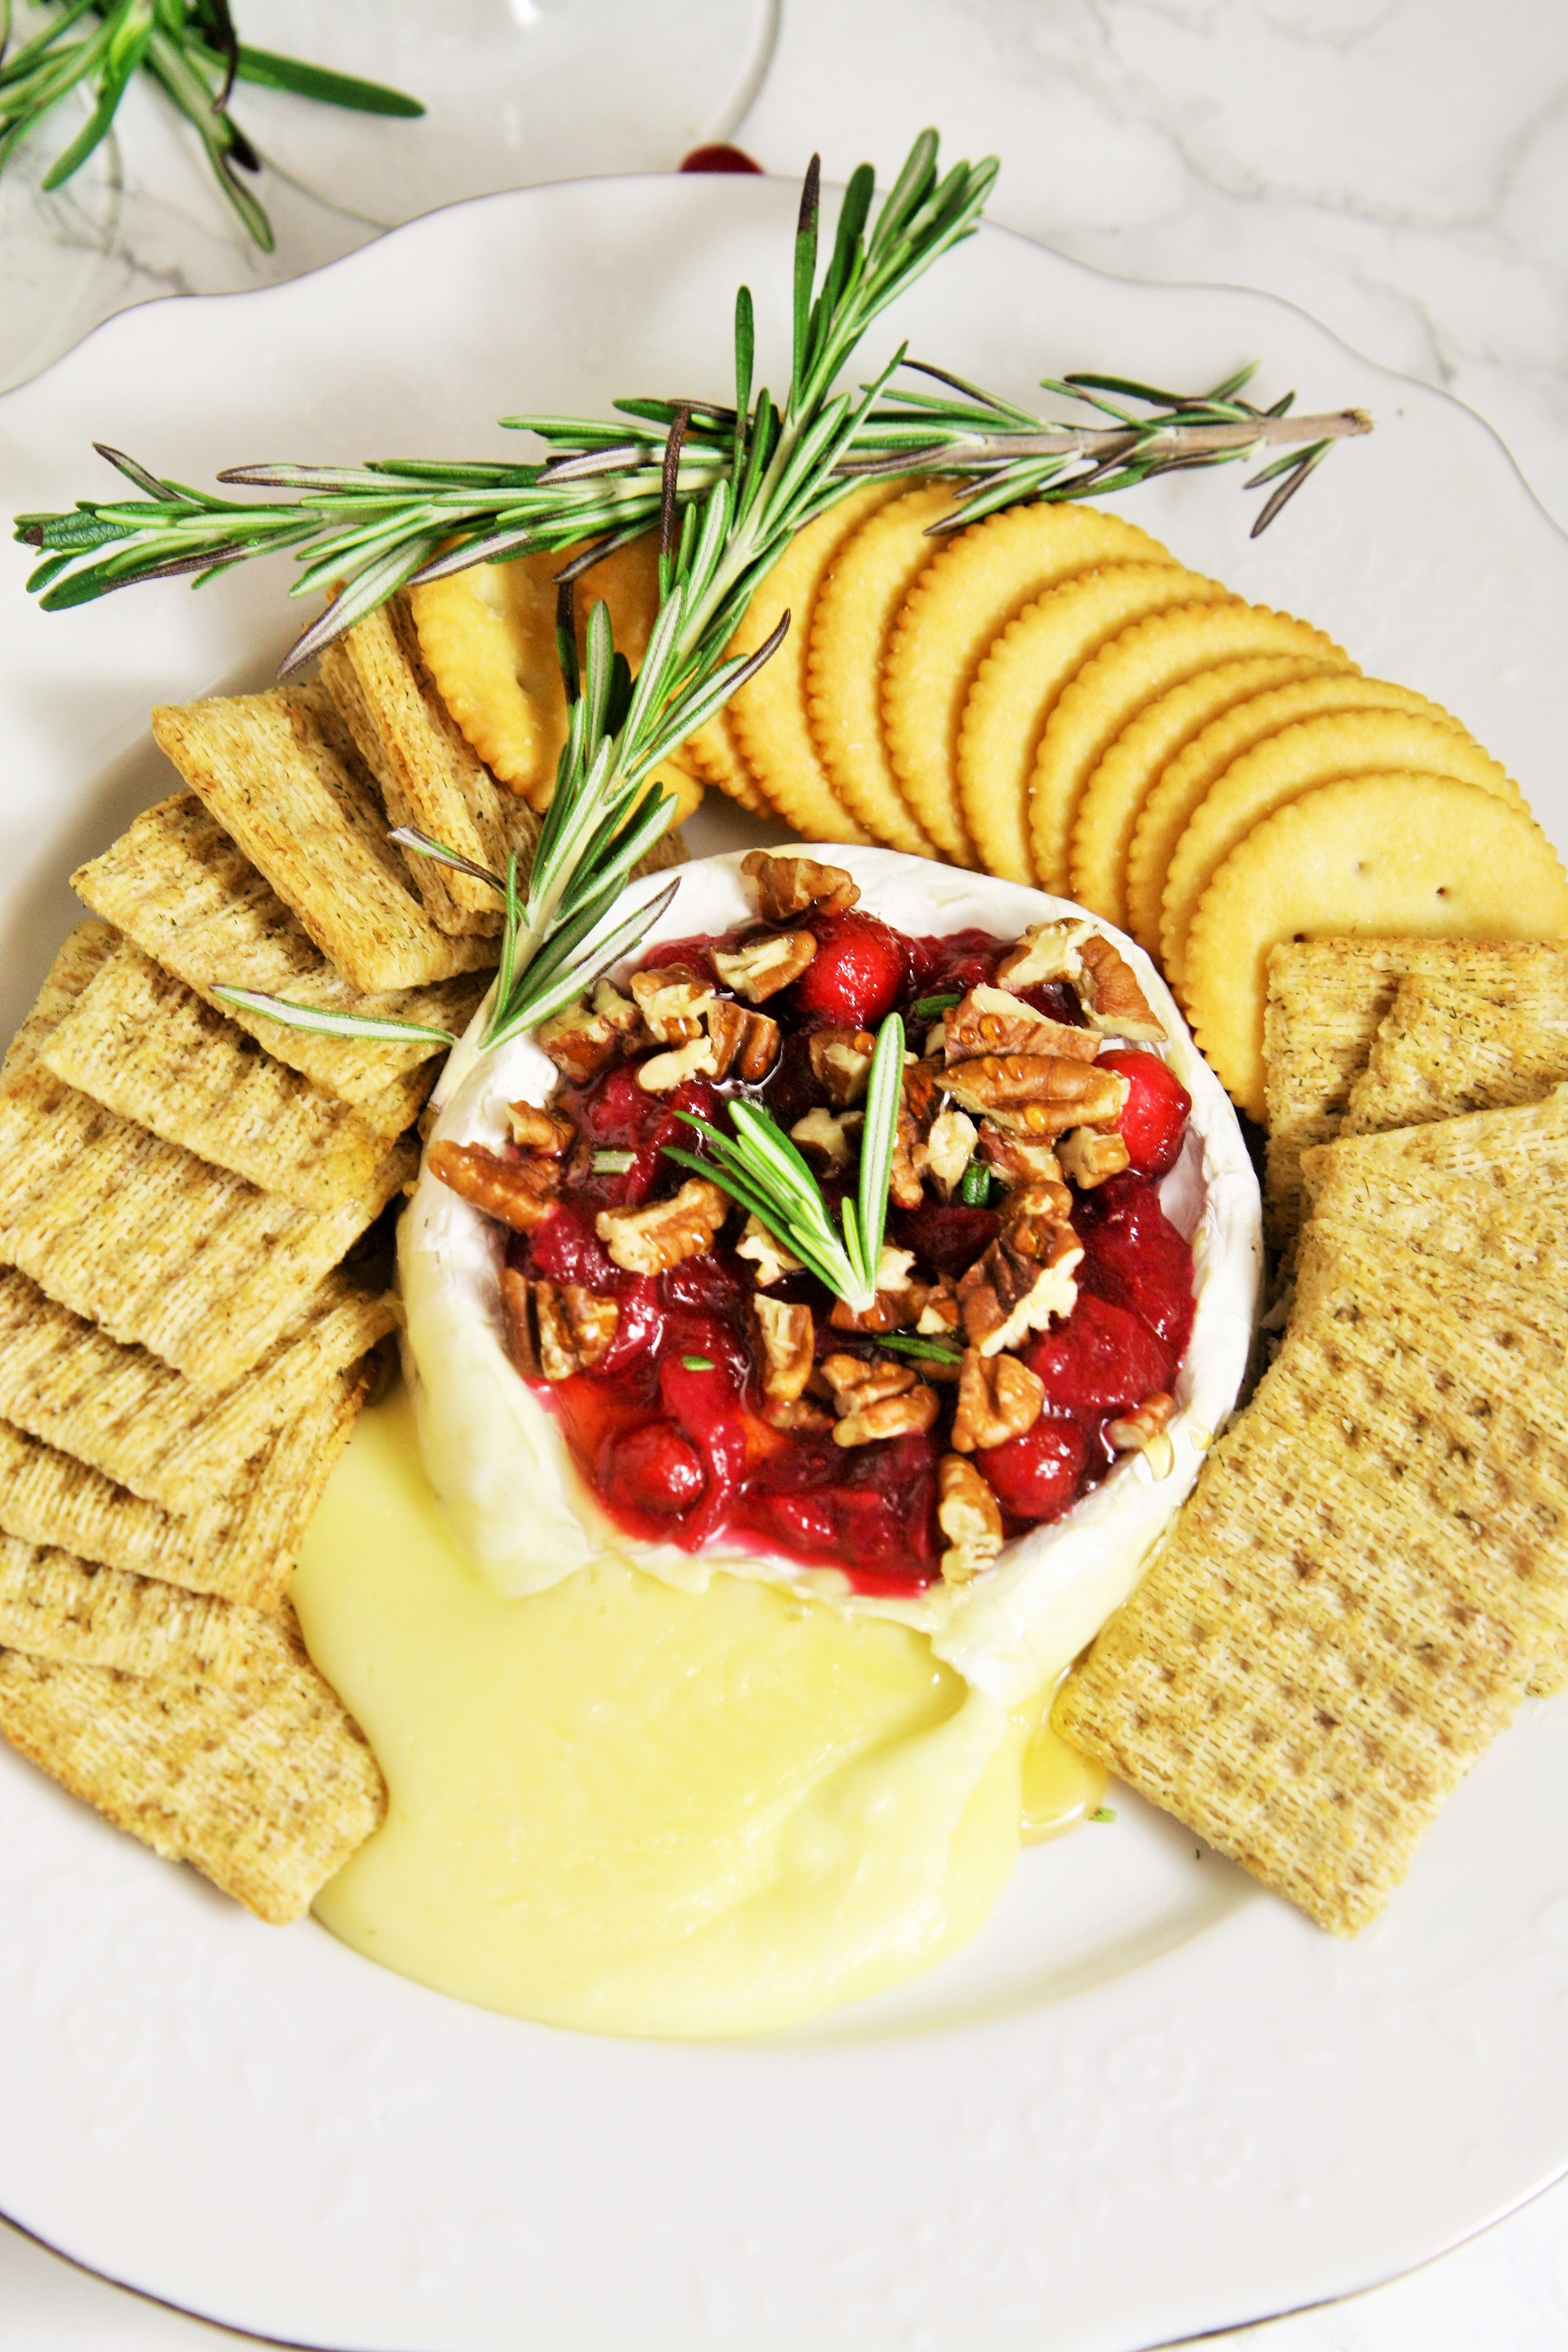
[(1154, 1116), (857, 975), (1036, 1476), (1101, 1358), (653, 1468)]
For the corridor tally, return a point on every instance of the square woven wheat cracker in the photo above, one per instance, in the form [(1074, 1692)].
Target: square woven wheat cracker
[(146, 1426), (161, 1250), (53, 1605), (1486, 1189), (427, 773), (266, 768), (240, 1545), (89, 947), (1443, 1050), (143, 1043), (1303, 1675), (1326, 999), (265, 1784), (177, 885)]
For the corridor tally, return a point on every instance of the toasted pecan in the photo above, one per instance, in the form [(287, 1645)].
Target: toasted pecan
[(759, 966), (787, 887), (1038, 1095), (1006, 1294), (582, 1039), (517, 1192), (998, 1398), (1108, 993), (841, 1063), (745, 1044), (970, 1518), (554, 1329), (666, 1232)]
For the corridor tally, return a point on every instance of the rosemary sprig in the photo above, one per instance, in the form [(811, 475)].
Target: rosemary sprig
[(191, 50), (760, 1168), (925, 1351)]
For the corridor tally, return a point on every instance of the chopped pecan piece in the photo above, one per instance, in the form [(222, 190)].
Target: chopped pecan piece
[(991, 1021), (582, 1041), (1005, 1294), (672, 1000), (1038, 1095), (1032, 1214), (998, 1398), (938, 1310), (789, 1348), (1046, 951), (1090, 1155), (662, 1073), (763, 964), (552, 1331), (1014, 1161), (787, 887), (947, 1151), (969, 1515), (923, 1091), (517, 1192), (802, 1419), (824, 1136), (1112, 999), (767, 1254), (896, 1302), (1145, 1431), (651, 1240), (534, 1130), (841, 1063), (745, 1044), (904, 1187), (877, 1401)]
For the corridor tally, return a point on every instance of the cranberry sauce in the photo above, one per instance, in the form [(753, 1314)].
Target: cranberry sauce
[(669, 1427)]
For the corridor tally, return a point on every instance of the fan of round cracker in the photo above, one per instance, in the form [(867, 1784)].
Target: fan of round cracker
[(1323, 750), (1122, 680), (1128, 771), (856, 605), (1168, 809), (958, 607), (713, 753), (1018, 685), (768, 714), (487, 635), (1385, 857)]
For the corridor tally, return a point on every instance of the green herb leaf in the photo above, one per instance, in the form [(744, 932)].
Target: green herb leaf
[(1103, 1813), (926, 1008), (975, 1190), (312, 1018), (698, 1363), (925, 1351), (613, 1163)]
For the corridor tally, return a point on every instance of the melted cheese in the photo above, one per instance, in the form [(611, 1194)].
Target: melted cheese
[(625, 1808)]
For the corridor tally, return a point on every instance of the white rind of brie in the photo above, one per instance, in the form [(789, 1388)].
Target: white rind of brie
[(496, 1454)]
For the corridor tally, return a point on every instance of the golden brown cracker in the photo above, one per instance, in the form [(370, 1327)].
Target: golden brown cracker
[(948, 622), (162, 1250), (1444, 1049), (264, 766), (1311, 752), (1381, 857), (240, 1544), (176, 885), (1015, 693), (146, 1426), (53, 1605), (265, 1784), (89, 947)]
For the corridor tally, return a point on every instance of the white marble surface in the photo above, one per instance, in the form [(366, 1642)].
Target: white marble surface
[(1398, 167)]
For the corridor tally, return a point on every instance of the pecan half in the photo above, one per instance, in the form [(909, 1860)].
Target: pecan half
[(744, 1044), (763, 964), (583, 1040), (672, 1000), (1030, 1214), (969, 1515), (1046, 951), (1145, 1431), (662, 1073), (787, 887), (998, 1398), (1005, 1294), (789, 1348), (534, 1130), (651, 1240), (1112, 999), (947, 1151), (553, 1331), (824, 1136), (1038, 1095), (517, 1192), (877, 1401), (1090, 1155), (768, 1254), (1012, 1160), (992, 1021), (841, 1063)]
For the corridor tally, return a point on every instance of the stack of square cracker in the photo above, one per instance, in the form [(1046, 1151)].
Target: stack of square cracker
[(183, 1349), (1373, 1569)]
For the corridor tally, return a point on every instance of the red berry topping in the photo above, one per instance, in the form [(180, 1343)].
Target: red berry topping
[(1036, 1476), (653, 1468), (1154, 1118), (857, 975), (1101, 1360), (1134, 1256)]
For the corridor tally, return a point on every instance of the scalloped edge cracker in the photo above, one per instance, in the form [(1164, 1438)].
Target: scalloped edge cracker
[(266, 1785), (175, 883)]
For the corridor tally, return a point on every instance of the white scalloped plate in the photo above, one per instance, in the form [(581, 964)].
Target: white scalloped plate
[(1148, 2100)]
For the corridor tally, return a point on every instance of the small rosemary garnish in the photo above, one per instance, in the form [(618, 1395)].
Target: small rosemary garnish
[(975, 1191), (190, 48), (698, 1363), (758, 1167), (925, 1351), (612, 1164), (926, 1008)]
